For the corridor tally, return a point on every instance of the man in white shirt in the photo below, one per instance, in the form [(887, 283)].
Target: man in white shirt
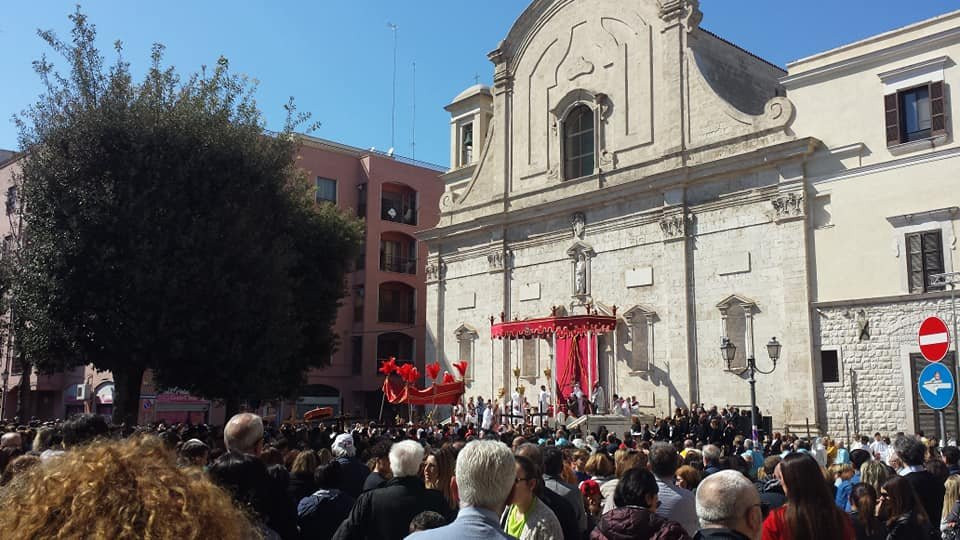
[(487, 422), (878, 448), (544, 399)]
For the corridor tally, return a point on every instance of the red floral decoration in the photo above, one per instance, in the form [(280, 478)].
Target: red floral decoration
[(388, 366), (433, 370), (461, 367), (448, 378), (414, 376)]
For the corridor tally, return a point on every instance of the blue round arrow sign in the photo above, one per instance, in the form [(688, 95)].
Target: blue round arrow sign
[(936, 386)]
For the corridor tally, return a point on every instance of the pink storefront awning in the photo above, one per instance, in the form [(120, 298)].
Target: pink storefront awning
[(562, 327)]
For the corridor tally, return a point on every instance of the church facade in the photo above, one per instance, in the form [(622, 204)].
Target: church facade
[(629, 164)]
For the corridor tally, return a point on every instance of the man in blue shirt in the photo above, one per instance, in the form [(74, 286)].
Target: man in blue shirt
[(483, 482)]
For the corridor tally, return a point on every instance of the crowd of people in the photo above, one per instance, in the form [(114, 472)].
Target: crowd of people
[(694, 475)]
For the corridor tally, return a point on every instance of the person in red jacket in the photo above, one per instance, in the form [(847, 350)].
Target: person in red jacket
[(810, 512)]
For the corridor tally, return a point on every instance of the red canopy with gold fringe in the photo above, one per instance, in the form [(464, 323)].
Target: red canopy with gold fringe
[(562, 327)]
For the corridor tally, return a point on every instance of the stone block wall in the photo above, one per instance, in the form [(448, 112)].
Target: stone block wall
[(875, 392)]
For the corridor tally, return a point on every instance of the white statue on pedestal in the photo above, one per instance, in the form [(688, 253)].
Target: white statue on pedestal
[(580, 274)]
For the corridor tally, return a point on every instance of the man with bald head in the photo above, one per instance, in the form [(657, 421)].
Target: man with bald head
[(243, 434), (728, 507)]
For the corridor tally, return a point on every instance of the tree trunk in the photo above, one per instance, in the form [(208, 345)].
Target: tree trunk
[(231, 406), (23, 394), (126, 394)]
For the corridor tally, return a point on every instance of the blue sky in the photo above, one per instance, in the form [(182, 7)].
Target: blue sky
[(336, 57)]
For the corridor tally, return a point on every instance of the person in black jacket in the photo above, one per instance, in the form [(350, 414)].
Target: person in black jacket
[(241, 472), (903, 512), (301, 482), (246, 478), (385, 513), (354, 473), (929, 490)]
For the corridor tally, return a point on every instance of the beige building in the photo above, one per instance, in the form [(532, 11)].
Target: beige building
[(628, 163), (884, 209)]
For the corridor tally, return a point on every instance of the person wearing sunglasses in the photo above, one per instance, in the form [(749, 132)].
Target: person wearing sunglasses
[(637, 500), (901, 509), (528, 518)]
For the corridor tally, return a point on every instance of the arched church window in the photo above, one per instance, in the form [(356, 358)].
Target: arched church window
[(579, 153)]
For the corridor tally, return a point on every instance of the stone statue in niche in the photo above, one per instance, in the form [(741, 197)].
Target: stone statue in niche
[(580, 275), (579, 223)]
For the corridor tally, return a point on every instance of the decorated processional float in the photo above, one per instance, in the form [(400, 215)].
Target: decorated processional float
[(400, 385)]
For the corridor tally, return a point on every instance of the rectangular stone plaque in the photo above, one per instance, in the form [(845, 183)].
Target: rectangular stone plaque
[(467, 301), (733, 263), (639, 277), (530, 291), (645, 398)]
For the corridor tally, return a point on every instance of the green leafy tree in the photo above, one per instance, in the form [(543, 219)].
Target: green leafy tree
[(165, 230)]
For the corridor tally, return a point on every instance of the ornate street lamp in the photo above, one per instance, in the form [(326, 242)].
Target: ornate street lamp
[(729, 351), (773, 350)]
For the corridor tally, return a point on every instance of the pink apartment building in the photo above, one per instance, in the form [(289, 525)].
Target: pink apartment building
[(382, 314)]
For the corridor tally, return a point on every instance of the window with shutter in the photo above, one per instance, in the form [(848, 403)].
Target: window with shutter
[(938, 115), (924, 259), (915, 114), (892, 116)]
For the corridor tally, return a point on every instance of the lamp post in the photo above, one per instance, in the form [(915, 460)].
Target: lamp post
[(729, 352)]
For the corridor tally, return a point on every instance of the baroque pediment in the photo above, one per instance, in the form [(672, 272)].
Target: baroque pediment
[(657, 84)]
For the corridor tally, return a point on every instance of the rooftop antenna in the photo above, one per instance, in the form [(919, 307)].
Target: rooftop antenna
[(413, 139), (393, 107)]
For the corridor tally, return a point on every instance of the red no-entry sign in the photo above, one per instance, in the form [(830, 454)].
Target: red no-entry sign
[(933, 339)]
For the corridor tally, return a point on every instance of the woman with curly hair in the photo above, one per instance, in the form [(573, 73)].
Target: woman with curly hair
[(129, 489)]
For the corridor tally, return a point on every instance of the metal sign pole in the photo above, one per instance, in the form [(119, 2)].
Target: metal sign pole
[(943, 429), (951, 279)]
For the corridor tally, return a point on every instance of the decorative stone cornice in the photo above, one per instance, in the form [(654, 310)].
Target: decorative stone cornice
[(787, 207), (685, 12)]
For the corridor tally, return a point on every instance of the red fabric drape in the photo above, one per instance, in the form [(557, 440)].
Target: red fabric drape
[(440, 394), (572, 364)]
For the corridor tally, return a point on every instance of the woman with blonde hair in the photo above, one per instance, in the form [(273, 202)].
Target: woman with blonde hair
[(600, 468), (951, 507), (121, 490), (623, 460)]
